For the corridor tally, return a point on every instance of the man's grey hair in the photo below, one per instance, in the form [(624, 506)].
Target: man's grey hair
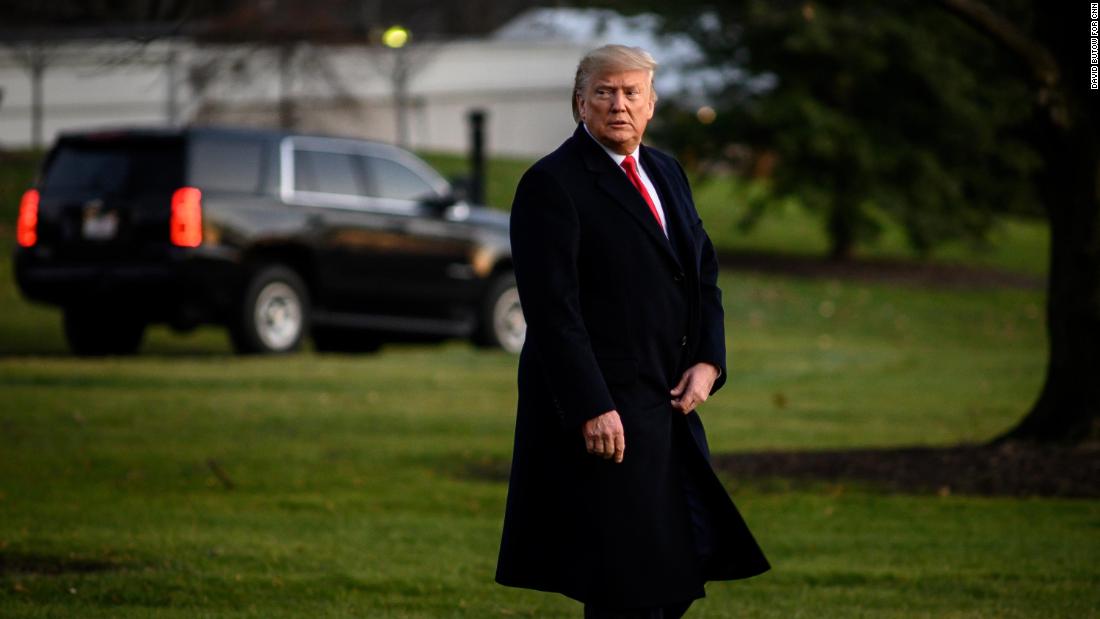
[(611, 59)]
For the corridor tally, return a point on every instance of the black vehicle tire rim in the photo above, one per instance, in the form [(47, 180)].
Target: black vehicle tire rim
[(509, 326), (278, 316)]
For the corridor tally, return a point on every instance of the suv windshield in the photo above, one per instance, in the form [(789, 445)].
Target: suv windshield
[(116, 166)]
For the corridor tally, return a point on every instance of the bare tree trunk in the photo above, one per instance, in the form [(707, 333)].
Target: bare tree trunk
[(401, 96), (841, 227), (286, 77), (37, 66), (843, 222), (171, 96), (1068, 407)]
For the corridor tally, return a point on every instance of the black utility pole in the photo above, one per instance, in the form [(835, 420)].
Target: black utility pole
[(476, 119)]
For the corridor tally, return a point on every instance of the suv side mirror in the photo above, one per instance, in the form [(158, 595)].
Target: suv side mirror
[(439, 203)]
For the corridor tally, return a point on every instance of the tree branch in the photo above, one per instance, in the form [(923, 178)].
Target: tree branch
[(1043, 67)]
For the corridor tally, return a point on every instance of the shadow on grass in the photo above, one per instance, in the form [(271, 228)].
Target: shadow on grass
[(1012, 469), (892, 271), (22, 563), (478, 468), (985, 470)]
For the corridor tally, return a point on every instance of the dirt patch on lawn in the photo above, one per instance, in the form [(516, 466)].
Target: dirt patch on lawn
[(1005, 470), (1012, 469), (924, 274), (492, 470)]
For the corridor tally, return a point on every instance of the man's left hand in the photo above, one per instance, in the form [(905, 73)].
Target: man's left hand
[(694, 387)]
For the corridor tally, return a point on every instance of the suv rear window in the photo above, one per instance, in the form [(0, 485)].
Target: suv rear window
[(120, 166)]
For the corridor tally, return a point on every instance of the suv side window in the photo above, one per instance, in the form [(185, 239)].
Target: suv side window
[(389, 179), (324, 172), (226, 164)]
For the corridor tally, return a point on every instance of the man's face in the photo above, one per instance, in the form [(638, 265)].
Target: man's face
[(616, 107)]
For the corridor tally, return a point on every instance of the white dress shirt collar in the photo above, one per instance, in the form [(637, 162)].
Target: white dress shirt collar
[(616, 157)]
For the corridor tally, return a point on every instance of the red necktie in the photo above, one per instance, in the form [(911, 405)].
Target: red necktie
[(632, 173)]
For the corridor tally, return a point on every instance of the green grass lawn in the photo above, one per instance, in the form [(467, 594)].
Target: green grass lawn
[(188, 482)]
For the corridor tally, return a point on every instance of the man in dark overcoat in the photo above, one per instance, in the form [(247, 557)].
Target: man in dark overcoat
[(612, 500)]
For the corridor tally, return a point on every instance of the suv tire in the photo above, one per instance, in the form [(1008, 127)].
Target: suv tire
[(502, 324), (97, 332), (273, 315)]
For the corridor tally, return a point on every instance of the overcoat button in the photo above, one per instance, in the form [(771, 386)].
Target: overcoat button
[(684, 341)]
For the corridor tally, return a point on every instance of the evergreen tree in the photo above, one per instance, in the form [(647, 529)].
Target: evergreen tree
[(940, 114), (869, 109)]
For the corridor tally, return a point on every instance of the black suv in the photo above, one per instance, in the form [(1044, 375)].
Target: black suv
[(274, 235)]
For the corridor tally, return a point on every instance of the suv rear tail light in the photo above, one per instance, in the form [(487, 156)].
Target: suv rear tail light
[(26, 229), (186, 224)]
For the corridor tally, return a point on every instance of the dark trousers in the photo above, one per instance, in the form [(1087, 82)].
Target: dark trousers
[(674, 611)]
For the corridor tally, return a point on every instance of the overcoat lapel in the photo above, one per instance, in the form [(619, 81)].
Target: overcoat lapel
[(615, 183), (676, 217)]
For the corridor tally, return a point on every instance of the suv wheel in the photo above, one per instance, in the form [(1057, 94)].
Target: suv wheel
[(502, 322), (274, 313), (97, 332)]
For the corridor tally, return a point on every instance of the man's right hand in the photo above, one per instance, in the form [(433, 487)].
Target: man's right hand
[(603, 436)]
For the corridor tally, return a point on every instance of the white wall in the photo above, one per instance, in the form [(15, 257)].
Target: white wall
[(524, 87), (93, 83)]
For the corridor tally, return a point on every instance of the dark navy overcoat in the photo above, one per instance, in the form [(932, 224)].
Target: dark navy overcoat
[(615, 313)]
